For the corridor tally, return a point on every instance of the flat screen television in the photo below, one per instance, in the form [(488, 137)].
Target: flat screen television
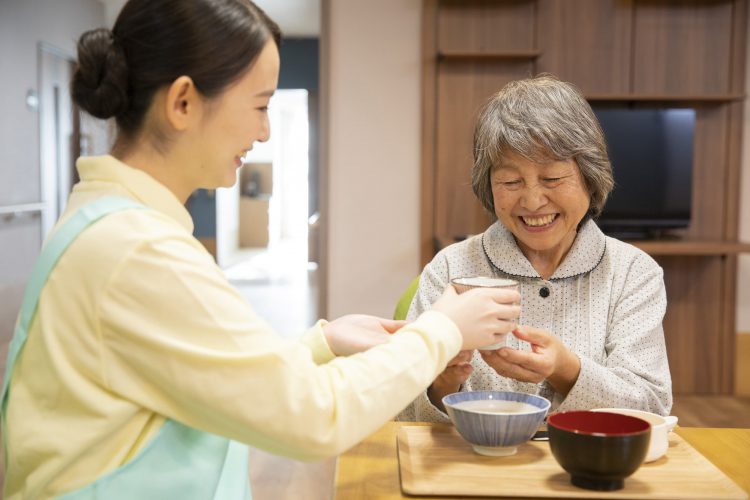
[(651, 151)]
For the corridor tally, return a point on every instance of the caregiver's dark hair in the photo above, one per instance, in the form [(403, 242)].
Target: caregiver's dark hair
[(154, 42), (541, 119)]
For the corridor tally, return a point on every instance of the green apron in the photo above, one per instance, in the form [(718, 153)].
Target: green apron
[(180, 462)]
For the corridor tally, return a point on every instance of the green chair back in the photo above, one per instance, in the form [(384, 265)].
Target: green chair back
[(402, 307)]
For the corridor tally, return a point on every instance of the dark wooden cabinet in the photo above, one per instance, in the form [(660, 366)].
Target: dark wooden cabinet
[(683, 48), (587, 42), (634, 53)]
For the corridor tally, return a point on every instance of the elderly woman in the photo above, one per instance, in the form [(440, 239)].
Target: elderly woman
[(590, 331)]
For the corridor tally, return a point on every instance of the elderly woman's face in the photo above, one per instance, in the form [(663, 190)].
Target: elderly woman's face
[(540, 203)]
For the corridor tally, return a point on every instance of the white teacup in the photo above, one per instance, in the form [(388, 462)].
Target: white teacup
[(660, 429), (463, 284)]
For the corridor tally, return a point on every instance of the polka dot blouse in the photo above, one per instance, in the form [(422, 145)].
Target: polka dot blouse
[(605, 302)]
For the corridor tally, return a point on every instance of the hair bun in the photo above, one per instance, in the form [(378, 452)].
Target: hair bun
[(100, 82)]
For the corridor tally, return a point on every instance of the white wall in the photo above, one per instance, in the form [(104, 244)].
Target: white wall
[(743, 275), (374, 153), (24, 23)]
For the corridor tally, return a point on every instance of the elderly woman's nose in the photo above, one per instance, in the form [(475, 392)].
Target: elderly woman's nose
[(533, 197)]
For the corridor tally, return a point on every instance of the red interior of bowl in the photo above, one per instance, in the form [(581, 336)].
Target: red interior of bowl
[(598, 422)]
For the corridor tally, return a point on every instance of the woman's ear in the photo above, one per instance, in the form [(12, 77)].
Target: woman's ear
[(182, 103)]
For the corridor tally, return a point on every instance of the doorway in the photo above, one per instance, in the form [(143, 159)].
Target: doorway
[(262, 221)]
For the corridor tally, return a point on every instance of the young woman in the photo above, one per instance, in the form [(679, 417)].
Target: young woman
[(136, 370)]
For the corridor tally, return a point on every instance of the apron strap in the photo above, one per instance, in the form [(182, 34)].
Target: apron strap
[(58, 242)]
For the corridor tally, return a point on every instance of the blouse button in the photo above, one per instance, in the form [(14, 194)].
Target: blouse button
[(544, 292)]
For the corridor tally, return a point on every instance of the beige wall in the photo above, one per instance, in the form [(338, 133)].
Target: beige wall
[(743, 278), (373, 151)]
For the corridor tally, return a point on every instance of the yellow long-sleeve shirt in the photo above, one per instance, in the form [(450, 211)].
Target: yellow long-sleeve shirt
[(137, 324)]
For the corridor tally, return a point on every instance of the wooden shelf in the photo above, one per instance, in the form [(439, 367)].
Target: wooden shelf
[(488, 56), (657, 247), (668, 98), (694, 248)]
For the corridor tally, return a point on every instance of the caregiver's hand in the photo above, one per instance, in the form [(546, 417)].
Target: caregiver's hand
[(483, 315), (448, 382), (548, 359), (358, 332)]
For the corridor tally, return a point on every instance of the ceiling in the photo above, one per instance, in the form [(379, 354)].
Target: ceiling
[(297, 18)]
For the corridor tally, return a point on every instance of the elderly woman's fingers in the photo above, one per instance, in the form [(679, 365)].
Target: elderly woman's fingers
[(534, 336), (506, 368), (507, 360), (461, 358)]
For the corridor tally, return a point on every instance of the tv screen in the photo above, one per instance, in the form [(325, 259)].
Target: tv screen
[(651, 151)]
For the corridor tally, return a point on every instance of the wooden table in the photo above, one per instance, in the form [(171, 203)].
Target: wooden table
[(370, 469)]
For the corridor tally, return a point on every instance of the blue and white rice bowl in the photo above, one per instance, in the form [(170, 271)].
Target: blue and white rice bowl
[(476, 416)]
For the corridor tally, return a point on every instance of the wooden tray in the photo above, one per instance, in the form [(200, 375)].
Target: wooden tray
[(436, 461)]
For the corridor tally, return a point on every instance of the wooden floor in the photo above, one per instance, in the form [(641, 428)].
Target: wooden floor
[(712, 411)]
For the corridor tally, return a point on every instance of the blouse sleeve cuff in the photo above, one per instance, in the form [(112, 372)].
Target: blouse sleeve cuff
[(315, 340), (581, 396), (425, 411)]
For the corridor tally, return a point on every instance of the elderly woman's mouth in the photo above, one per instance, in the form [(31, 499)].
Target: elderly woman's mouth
[(538, 221)]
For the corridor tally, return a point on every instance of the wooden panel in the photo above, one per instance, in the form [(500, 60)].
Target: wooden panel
[(693, 323), (485, 25), (463, 87), (739, 46), (682, 47), (742, 374), (597, 58), (710, 167)]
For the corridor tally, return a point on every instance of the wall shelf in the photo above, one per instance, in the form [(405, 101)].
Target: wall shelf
[(667, 98), (691, 248), (672, 248), (488, 56)]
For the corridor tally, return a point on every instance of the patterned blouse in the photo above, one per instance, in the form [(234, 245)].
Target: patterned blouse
[(606, 302)]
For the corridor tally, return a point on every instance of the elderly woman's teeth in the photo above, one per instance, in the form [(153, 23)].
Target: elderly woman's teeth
[(539, 221)]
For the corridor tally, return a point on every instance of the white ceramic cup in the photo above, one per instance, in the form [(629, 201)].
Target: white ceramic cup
[(467, 283), (660, 429)]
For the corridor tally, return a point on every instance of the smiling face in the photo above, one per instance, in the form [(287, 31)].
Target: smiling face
[(541, 204), (235, 120)]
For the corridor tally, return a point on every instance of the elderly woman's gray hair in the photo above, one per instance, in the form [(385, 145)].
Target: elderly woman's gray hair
[(541, 119)]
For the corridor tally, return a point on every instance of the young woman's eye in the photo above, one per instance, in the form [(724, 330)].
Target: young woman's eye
[(263, 109)]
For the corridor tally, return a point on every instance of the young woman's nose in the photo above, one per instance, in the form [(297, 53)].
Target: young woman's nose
[(265, 131)]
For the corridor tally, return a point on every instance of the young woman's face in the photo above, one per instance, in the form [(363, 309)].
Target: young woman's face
[(237, 119), (540, 203)]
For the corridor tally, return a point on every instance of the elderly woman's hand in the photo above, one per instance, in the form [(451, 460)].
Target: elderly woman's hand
[(548, 359), (448, 382)]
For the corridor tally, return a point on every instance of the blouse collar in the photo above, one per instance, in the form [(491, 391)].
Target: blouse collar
[(106, 170), (503, 252)]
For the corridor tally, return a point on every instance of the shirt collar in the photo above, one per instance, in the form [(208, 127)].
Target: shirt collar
[(108, 174), (502, 251)]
